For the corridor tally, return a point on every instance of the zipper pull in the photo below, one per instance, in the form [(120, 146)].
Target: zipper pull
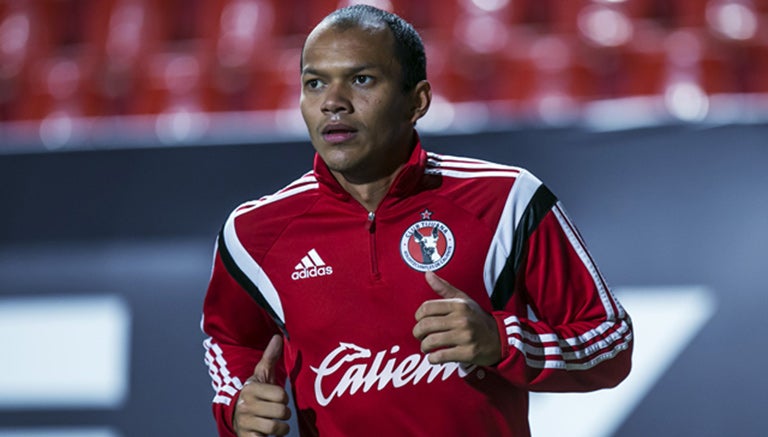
[(371, 221)]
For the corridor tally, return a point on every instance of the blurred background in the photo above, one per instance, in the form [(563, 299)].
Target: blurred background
[(75, 72), (130, 128)]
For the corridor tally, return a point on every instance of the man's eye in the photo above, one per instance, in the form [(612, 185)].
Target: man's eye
[(362, 79), (313, 83)]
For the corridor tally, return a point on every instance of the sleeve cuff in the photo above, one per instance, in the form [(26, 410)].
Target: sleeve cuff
[(499, 317)]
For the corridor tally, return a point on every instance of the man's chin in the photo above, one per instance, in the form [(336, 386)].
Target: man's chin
[(340, 156)]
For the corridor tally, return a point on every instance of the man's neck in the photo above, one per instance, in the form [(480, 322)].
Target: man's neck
[(369, 194)]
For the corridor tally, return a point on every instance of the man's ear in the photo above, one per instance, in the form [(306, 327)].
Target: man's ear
[(421, 99)]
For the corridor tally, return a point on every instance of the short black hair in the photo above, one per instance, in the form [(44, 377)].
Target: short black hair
[(409, 49)]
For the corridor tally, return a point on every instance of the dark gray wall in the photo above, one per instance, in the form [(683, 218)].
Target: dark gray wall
[(672, 205)]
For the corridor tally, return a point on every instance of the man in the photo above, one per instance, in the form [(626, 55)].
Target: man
[(402, 292)]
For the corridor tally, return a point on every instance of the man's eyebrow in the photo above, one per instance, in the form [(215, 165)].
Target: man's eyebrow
[(350, 70)]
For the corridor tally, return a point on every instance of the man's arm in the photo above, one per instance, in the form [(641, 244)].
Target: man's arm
[(578, 337), (575, 336), (239, 331)]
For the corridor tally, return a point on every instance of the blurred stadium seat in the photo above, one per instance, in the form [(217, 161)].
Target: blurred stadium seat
[(18, 46), (134, 57)]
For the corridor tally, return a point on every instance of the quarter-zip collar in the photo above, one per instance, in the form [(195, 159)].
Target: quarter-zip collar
[(404, 185)]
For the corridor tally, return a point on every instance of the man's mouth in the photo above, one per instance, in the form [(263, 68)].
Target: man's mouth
[(338, 133)]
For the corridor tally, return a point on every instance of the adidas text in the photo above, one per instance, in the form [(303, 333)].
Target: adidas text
[(312, 272)]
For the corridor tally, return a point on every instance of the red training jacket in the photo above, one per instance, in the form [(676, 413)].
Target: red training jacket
[(342, 285)]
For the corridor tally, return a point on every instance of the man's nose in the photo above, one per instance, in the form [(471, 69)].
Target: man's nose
[(336, 100)]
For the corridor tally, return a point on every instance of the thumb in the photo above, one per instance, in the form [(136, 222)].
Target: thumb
[(442, 287), (264, 371)]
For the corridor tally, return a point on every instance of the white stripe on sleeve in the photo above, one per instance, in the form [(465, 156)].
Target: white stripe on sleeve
[(250, 267), (501, 245)]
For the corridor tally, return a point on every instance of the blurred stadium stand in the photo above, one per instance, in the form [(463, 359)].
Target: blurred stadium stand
[(186, 70)]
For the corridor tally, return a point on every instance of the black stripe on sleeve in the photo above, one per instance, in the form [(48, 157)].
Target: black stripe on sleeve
[(246, 283), (541, 203)]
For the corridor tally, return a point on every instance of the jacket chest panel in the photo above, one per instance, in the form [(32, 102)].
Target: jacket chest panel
[(346, 279)]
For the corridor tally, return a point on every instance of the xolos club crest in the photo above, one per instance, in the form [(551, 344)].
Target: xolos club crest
[(427, 244)]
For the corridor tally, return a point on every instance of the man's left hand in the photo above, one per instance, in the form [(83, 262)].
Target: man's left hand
[(455, 328)]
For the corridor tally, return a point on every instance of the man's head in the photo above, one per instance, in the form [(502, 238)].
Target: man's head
[(408, 47), (359, 102)]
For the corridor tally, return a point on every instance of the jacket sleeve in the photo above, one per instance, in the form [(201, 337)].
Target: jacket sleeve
[(238, 331), (561, 327)]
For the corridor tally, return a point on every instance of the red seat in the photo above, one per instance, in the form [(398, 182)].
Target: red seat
[(24, 40), (687, 13), (126, 33), (758, 74), (244, 49), (59, 84)]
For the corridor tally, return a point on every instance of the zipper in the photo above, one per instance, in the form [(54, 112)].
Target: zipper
[(371, 224)]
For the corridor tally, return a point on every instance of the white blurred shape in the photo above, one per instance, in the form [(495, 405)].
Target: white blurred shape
[(684, 48), (686, 101), (381, 4), (181, 73), (180, 125), (605, 26), (662, 331), (556, 108), (490, 5), (56, 130), (550, 53), (733, 20), (63, 78), (125, 28), (244, 24), (484, 33), (441, 115), (64, 352), (14, 34), (290, 121)]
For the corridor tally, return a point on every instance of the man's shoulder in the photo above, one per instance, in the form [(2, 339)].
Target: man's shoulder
[(463, 167), (479, 184), (473, 174), (288, 201)]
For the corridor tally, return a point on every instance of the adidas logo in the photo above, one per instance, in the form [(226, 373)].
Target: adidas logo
[(311, 266)]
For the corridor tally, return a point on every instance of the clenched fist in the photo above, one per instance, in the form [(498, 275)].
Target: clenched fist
[(455, 328), (262, 407)]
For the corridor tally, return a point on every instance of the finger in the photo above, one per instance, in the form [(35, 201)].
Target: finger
[(259, 391), (265, 369), (442, 287), (260, 426), (440, 340), (457, 354), (272, 427), (264, 409), (430, 325), (437, 308), (256, 416)]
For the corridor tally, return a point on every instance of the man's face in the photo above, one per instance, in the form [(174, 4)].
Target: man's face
[(359, 119)]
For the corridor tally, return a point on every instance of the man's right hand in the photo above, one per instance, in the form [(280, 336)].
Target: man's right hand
[(262, 407)]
